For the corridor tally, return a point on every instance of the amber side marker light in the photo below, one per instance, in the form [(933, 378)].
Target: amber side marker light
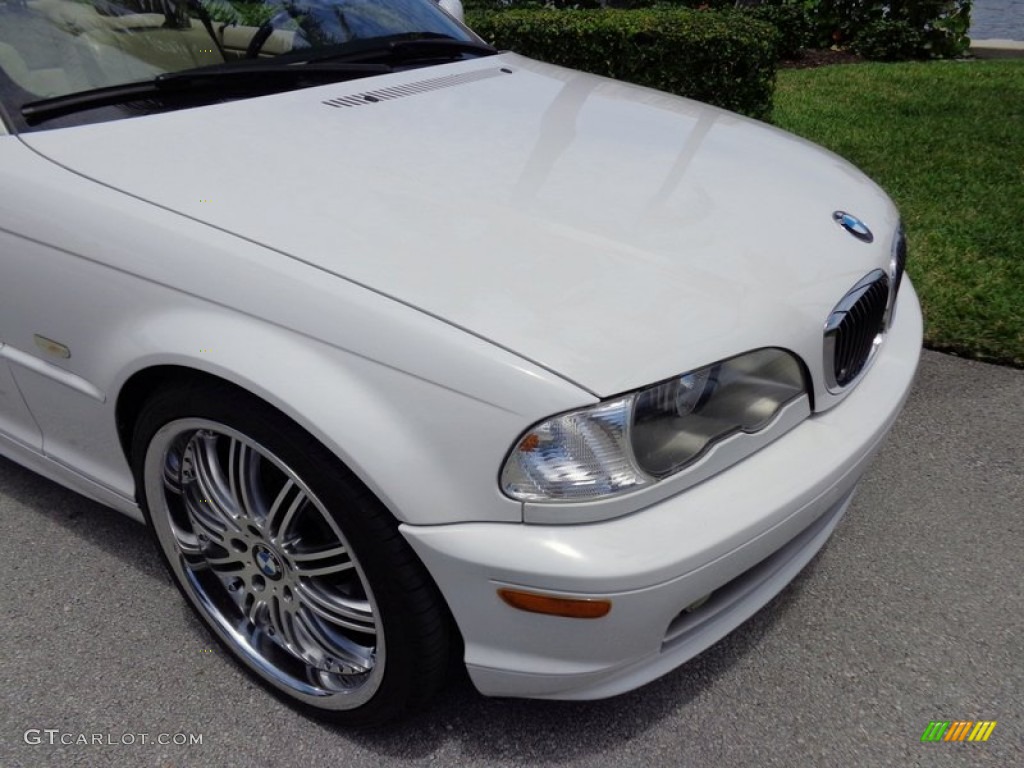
[(569, 607)]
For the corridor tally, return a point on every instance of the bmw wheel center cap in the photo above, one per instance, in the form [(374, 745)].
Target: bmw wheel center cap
[(267, 562)]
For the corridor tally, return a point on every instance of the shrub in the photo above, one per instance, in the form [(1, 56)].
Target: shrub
[(945, 24), (792, 21), (726, 59), (508, 5), (888, 40), (942, 24)]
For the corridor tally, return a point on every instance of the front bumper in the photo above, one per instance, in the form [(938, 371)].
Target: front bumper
[(741, 536)]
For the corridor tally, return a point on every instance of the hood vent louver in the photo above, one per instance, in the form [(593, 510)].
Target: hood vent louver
[(411, 89)]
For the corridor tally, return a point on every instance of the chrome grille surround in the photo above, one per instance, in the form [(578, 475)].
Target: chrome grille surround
[(897, 265), (854, 330)]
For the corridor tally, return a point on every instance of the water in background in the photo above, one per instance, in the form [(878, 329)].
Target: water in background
[(997, 19)]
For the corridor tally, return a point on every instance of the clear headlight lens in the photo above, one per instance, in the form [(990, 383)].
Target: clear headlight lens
[(637, 439)]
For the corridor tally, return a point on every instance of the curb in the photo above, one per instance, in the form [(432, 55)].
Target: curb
[(997, 49)]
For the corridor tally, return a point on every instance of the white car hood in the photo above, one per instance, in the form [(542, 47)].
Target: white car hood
[(613, 234)]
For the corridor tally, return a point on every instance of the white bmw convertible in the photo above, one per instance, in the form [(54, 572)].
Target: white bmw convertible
[(407, 349)]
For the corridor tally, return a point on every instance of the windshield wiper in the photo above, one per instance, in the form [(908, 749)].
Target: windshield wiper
[(257, 76), (437, 46), (267, 70), (416, 46)]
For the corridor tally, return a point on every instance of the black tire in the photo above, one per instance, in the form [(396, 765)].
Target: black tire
[(360, 643)]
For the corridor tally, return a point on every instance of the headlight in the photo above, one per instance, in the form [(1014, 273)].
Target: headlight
[(637, 439)]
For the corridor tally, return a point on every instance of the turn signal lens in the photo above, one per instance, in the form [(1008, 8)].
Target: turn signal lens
[(577, 456), (568, 607)]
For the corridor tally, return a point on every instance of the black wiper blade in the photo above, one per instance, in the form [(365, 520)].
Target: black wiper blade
[(438, 46), (223, 74), (36, 112), (416, 45), (257, 76)]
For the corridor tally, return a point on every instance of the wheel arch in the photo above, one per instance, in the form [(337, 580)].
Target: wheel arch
[(145, 382), (140, 386)]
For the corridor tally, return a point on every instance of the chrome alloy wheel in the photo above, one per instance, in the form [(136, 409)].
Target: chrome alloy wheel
[(264, 561)]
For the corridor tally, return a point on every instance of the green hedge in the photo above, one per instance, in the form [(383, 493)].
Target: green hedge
[(726, 59), (894, 29), (793, 22)]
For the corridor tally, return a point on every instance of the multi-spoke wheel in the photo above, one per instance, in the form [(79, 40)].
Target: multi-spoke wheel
[(292, 563)]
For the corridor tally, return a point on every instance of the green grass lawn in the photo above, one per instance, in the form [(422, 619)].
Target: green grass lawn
[(946, 141)]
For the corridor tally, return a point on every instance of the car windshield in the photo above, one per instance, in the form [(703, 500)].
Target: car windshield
[(57, 50)]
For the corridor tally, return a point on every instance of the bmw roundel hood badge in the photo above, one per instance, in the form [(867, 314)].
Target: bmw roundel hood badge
[(853, 225)]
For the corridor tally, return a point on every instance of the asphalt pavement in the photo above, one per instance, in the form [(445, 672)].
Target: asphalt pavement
[(914, 612)]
